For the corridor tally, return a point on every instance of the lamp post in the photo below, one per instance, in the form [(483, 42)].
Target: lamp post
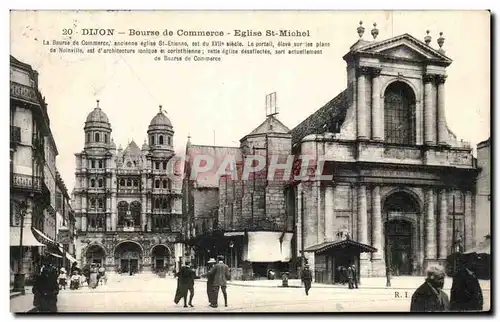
[(231, 245), (19, 277)]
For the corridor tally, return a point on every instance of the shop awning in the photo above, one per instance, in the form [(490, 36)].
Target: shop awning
[(28, 239), (234, 233), (345, 244), (54, 254), (43, 238), (70, 258)]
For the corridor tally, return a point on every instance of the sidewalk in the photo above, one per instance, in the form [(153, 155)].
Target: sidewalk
[(400, 282), (21, 303)]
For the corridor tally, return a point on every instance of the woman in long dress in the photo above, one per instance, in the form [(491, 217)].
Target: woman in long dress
[(93, 277)]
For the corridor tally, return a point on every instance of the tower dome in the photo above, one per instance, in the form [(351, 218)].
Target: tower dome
[(97, 129), (160, 120)]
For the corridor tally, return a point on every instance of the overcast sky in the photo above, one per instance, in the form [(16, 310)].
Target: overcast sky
[(229, 96)]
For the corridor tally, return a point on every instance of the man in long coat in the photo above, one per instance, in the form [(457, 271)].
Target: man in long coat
[(46, 287), (429, 297), (466, 294), (306, 278), (210, 281), (185, 283), (220, 274)]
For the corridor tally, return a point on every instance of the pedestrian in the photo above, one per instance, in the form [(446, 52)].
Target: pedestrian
[(355, 275), (350, 276), (62, 278), (93, 278), (210, 281), (466, 294), (429, 297), (307, 278), (220, 274), (102, 275), (45, 288), (185, 283)]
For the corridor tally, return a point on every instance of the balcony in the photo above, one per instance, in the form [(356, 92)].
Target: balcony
[(162, 211), (162, 191), (24, 92), (26, 182), (15, 136)]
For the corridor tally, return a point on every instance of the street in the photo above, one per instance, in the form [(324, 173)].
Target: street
[(148, 293)]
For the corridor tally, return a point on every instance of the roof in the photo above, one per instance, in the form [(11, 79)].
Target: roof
[(132, 149), (270, 125), (160, 119), (327, 119), (219, 154), (97, 115), (340, 244)]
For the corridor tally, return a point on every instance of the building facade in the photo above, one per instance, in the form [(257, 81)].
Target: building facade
[(32, 157), (127, 203), (399, 173), (483, 192), (65, 223), (393, 173)]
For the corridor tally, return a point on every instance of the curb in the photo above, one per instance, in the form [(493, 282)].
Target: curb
[(16, 294)]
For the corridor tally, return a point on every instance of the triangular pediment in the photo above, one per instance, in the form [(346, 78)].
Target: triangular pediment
[(406, 47), (270, 125)]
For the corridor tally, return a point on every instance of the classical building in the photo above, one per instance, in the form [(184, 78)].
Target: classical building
[(392, 170), (245, 220), (397, 167), (483, 192), (32, 173), (127, 203)]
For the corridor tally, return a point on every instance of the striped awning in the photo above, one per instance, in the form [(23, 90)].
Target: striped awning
[(28, 239), (345, 244), (44, 238)]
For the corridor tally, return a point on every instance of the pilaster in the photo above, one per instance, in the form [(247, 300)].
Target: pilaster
[(377, 111), (441, 119), (443, 224), (429, 118)]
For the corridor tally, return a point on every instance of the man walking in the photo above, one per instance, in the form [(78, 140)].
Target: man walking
[(466, 294), (210, 281), (46, 288), (429, 297), (220, 274), (306, 278), (185, 283)]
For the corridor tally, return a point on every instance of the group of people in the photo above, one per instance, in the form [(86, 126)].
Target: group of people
[(466, 293), (217, 278)]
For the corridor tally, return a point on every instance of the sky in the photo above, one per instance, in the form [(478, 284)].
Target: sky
[(228, 98)]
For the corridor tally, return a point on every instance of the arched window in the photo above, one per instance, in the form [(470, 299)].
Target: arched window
[(92, 203), (100, 203), (122, 182), (92, 164), (168, 140), (129, 183), (164, 184), (165, 204), (88, 137), (92, 182), (136, 183), (106, 137), (97, 137), (160, 139), (151, 140), (100, 183), (164, 165), (135, 209), (122, 212), (100, 164), (399, 114), (157, 165), (157, 183), (157, 203)]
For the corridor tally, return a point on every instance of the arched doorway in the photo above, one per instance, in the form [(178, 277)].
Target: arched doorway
[(95, 254), (128, 257), (160, 255), (401, 210)]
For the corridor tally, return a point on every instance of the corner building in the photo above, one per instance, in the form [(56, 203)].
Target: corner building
[(396, 165), (128, 202)]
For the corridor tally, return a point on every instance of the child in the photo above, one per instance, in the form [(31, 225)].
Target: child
[(62, 279), (75, 281)]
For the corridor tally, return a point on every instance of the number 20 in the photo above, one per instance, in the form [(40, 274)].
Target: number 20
[(67, 32)]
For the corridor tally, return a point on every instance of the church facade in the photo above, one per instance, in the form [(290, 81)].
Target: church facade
[(127, 201), (398, 173)]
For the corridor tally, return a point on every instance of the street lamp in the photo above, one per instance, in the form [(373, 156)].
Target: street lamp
[(231, 245), (19, 278)]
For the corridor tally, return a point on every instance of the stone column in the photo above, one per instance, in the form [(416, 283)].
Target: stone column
[(114, 216), (430, 243), (441, 119), (329, 213), (377, 111), (320, 213), (361, 104), (443, 224), (377, 223), (469, 231), (429, 118), (364, 263), (143, 212)]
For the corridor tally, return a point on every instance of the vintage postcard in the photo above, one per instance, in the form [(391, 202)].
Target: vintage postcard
[(250, 161)]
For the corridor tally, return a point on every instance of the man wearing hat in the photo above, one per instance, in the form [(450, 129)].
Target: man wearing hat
[(220, 274), (185, 283), (210, 281), (306, 278), (46, 288)]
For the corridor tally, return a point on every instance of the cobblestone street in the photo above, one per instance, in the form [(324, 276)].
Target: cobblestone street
[(148, 293)]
